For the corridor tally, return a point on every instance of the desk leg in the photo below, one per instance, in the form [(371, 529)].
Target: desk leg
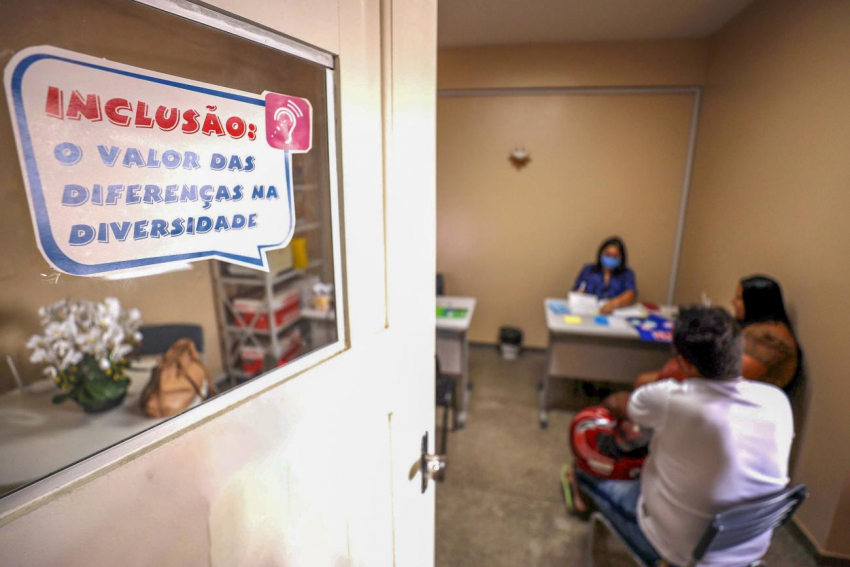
[(543, 388), (465, 385)]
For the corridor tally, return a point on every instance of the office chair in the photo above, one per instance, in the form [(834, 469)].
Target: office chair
[(157, 339), (733, 526)]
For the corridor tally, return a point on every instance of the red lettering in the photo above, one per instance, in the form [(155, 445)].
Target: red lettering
[(54, 106), (167, 118), (212, 125), (235, 127), (112, 107), (89, 109), (190, 124), (142, 118)]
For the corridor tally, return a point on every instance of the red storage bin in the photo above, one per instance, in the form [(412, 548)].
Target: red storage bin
[(252, 356), (286, 306)]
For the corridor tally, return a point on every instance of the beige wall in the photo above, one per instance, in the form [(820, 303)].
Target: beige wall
[(612, 63), (512, 237), (770, 195)]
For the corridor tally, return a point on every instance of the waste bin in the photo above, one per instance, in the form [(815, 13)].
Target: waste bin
[(510, 342)]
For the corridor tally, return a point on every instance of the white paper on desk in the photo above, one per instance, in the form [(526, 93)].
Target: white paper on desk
[(583, 303), (636, 310), (618, 323)]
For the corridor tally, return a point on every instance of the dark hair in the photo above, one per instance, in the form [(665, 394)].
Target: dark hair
[(711, 340), (763, 301), (618, 242)]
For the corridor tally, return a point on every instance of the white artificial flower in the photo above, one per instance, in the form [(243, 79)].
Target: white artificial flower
[(38, 355)]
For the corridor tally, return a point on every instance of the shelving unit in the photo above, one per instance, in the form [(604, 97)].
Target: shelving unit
[(311, 329)]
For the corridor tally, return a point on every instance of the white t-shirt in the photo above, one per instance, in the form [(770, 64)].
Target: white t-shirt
[(715, 444)]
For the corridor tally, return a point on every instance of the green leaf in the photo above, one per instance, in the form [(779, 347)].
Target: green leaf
[(59, 398), (105, 389)]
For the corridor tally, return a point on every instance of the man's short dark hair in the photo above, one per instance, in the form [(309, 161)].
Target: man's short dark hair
[(710, 339)]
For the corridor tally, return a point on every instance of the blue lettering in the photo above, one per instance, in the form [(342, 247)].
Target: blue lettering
[(204, 225), (171, 159), (110, 156), (113, 193), (103, 232), (133, 197), (152, 161), (272, 192), (238, 222), (189, 193), (74, 196), (235, 164), (190, 161), (171, 193), (249, 163), (140, 230), (120, 230), (252, 220), (237, 193), (223, 193), (81, 234), (153, 194), (206, 195), (97, 194), (218, 162), (221, 224), (67, 153), (159, 228), (177, 227), (133, 157)]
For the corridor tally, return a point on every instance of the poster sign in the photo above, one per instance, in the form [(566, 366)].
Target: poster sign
[(126, 167)]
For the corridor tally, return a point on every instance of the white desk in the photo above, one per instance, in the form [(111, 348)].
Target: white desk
[(453, 351), (582, 349), (38, 437)]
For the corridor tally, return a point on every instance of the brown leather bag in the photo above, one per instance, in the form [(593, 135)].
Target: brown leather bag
[(176, 381)]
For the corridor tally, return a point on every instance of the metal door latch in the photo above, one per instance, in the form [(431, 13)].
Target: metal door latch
[(430, 466)]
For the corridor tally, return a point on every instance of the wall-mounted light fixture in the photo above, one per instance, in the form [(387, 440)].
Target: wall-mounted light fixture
[(519, 157)]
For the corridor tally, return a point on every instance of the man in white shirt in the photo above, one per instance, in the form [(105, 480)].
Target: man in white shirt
[(717, 440)]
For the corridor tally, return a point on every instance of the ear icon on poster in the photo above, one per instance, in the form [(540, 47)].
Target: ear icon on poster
[(286, 118), (288, 122)]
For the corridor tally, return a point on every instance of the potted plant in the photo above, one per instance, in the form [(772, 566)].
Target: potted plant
[(85, 345)]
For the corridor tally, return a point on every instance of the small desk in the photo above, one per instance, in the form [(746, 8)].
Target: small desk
[(38, 437), (582, 349), (453, 349)]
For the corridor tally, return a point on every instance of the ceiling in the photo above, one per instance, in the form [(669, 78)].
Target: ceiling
[(487, 22)]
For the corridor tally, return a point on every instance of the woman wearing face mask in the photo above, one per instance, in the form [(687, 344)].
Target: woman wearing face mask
[(771, 352), (610, 277)]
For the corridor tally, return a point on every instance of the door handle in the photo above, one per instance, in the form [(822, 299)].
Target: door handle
[(431, 466)]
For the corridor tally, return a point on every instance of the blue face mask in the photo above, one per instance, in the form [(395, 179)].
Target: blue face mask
[(610, 263)]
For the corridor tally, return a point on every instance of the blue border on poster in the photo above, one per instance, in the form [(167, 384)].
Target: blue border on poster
[(45, 234)]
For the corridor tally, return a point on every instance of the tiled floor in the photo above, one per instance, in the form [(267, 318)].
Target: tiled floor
[(501, 502)]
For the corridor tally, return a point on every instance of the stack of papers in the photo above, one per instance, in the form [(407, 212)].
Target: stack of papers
[(636, 310), (583, 303)]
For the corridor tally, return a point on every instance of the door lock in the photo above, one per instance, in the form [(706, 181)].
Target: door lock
[(430, 466)]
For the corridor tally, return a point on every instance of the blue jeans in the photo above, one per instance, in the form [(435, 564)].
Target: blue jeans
[(617, 500)]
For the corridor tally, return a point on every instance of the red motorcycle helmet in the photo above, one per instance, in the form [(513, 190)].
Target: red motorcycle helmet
[(605, 449)]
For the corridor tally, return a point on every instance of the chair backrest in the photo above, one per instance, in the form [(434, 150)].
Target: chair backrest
[(156, 339), (746, 521)]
